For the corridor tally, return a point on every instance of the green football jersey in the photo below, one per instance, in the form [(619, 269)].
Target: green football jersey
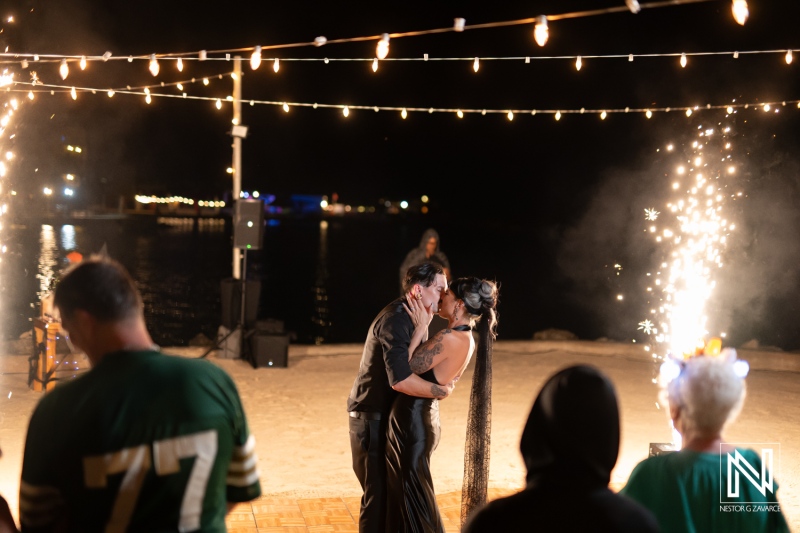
[(141, 442)]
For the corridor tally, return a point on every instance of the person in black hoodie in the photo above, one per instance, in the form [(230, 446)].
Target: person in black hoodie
[(570, 445)]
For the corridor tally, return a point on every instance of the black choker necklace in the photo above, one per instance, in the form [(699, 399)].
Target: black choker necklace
[(462, 327)]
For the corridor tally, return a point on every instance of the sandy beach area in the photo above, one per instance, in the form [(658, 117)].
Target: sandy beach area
[(299, 419)]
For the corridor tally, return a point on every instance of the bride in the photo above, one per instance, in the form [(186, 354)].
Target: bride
[(414, 431)]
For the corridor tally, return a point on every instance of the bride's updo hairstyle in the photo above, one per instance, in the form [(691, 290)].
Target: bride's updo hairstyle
[(480, 300)]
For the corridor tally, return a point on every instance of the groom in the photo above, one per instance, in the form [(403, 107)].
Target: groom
[(384, 372)]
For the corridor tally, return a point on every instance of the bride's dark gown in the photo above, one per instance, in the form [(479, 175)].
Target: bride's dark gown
[(413, 434)]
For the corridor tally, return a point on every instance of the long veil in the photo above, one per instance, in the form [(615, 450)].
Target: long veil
[(479, 424)]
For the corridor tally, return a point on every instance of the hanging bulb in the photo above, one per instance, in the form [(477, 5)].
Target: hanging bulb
[(154, 68), (603, 115), (83, 63), (375, 65), (110, 93), (633, 5), (740, 11), (476, 64), (460, 114), (540, 31), (458, 24), (73, 94), (578, 64), (683, 60), (558, 115), (346, 111), (205, 81), (180, 64), (255, 59), (179, 86), (689, 112), (648, 114), (286, 107), (789, 57), (767, 107), (30, 95), (219, 104), (630, 57), (382, 50), (276, 65), (63, 69), (148, 99), (510, 115), (404, 113)]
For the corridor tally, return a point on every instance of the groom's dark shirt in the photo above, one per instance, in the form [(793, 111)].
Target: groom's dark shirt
[(384, 362)]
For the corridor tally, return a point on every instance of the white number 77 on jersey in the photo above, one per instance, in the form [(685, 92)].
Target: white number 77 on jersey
[(136, 461)]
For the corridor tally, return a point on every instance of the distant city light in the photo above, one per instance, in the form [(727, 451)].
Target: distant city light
[(404, 204)]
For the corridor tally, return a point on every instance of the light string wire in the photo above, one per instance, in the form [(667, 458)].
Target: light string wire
[(203, 55), (145, 91)]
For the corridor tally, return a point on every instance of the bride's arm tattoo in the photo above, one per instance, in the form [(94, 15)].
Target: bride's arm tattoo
[(422, 360)]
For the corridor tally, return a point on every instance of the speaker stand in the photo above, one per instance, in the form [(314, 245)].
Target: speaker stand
[(244, 353)]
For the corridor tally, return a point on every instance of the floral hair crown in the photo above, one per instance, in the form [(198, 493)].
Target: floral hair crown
[(673, 366)]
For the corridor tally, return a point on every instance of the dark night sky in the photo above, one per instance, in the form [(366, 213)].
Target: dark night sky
[(181, 147), (580, 180)]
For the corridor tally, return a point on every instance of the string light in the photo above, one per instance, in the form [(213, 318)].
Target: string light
[(540, 30), (382, 49), (219, 104), (648, 114), (458, 24), (404, 113), (83, 63), (255, 59), (73, 93), (633, 5), (510, 116), (154, 68), (789, 57), (460, 114), (558, 115), (346, 111), (740, 11), (683, 60), (63, 69), (603, 115), (276, 65), (286, 107), (476, 64), (180, 64), (375, 65), (578, 64)]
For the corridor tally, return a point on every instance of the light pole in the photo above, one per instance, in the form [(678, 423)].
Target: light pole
[(238, 132)]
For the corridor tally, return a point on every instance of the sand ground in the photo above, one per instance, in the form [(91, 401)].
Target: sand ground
[(298, 417)]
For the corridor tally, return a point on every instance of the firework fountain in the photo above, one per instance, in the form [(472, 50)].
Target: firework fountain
[(693, 233)]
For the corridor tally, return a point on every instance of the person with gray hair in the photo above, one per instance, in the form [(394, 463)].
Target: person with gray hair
[(699, 487)]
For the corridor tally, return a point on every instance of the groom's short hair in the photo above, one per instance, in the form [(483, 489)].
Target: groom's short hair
[(423, 273)]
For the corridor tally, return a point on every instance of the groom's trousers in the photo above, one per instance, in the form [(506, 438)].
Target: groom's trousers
[(368, 447)]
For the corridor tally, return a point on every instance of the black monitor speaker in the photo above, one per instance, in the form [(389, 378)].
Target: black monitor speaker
[(248, 224)]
